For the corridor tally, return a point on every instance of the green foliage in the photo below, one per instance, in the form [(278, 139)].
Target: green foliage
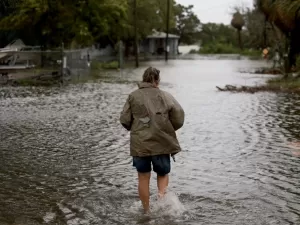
[(256, 34), (298, 64), (285, 14), (218, 33), (104, 65), (161, 14), (35, 82), (285, 83), (219, 48), (110, 65), (188, 24), (80, 23), (151, 15)]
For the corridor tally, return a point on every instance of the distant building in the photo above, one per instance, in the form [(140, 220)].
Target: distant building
[(155, 44)]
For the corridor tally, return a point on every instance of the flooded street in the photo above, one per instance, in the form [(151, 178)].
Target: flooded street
[(64, 157)]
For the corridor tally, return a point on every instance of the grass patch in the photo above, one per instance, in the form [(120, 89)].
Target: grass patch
[(298, 64), (104, 65), (286, 83), (219, 48), (36, 82), (251, 53)]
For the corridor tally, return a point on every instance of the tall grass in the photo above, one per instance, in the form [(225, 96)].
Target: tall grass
[(220, 48), (104, 65)]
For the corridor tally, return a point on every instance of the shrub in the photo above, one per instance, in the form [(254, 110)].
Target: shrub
[(104, 65), (220, 48), (193, 51)]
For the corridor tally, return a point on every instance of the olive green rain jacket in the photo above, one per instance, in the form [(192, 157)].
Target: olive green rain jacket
[(152, 116)]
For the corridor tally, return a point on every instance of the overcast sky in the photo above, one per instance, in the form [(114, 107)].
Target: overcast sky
[(217, 11)]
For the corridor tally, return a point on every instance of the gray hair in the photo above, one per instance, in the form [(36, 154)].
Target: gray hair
[(151, 75)]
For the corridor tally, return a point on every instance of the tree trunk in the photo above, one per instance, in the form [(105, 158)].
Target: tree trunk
[(240, 39), (286, 58), (127, 49), (179, 42), (43, 44), (294, 47), (265, 33), (168, 24), (136, 52)]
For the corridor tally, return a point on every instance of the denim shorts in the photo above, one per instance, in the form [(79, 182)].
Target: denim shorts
[(161, 164)]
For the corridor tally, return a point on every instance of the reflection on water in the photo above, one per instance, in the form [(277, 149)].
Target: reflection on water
[(65, 158)]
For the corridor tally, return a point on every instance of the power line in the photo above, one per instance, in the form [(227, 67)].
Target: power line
[(168, 22)]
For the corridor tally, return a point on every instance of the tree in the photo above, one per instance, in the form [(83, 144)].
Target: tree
[(285, 15), (161, 15), (6, 7), (188, 25), (151, 15), (80, 23), (238, 22), (256, 29), (213, 33), (67, 21)]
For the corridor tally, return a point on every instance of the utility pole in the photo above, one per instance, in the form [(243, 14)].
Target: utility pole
[(62, 72), (168, 24), (136, 35)]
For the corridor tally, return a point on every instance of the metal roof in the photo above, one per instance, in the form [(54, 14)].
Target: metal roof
[(162, 35)]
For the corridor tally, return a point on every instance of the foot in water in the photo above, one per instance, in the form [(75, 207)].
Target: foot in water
[(146, 212), (161, 196), (144, 219)]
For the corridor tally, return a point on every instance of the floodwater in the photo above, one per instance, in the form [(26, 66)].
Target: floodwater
[(65, 157)]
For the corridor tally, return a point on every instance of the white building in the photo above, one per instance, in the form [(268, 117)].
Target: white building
[(155, 44)]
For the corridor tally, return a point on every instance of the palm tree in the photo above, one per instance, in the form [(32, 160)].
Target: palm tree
[(285, 14), (238, 22)]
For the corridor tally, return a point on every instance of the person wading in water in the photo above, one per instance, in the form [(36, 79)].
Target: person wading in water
[(152, 116)]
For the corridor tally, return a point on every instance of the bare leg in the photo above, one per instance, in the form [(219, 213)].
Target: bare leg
[(144, 193), (162, 184)]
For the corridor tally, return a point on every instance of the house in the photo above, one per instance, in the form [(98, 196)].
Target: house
[(155, 44)]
